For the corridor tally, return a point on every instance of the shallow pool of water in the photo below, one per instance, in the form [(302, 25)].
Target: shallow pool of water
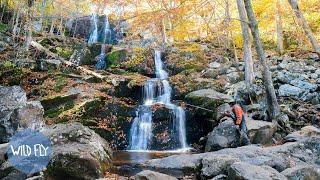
[(128, 163)]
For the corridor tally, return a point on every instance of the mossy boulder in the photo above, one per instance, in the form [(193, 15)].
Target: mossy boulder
[(56, 105), (115, 57), (208, 98), (139, 60)]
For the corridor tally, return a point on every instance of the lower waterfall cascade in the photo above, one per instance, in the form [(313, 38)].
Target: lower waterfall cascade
[(156, 91)]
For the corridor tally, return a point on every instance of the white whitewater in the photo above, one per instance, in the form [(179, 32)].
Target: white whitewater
[(156, 91), (94, 35)]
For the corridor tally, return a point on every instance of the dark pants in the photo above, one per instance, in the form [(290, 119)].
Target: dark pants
[(244, 140)]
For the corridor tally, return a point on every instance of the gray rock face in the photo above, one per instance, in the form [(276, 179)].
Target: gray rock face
[(305, 152), (81, 56), (307, 131), (225, 135), (16, 112), (304, 85), (216, 164), (78, 152), (251, 172), (260, 132), (151, 175), (208, 98), (302, 172), (288, 90)]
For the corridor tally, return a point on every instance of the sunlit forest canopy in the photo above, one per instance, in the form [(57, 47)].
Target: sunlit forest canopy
[(185, 19)]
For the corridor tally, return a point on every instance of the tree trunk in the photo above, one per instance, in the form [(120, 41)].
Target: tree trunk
[(44, 4), (16, 23), (227, 24), (280, 46), (305, 26), (247, 53), (29, 24), (273, 106), (52, 26)]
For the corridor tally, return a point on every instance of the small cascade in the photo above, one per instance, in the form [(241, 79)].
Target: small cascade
[(101, 63), (156, 91), (94, 35)]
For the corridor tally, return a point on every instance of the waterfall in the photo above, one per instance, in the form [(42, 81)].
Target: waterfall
[(94, 35), (101, 63), (156, 91)]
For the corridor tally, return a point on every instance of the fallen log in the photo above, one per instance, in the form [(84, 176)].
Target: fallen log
[(68, 63)]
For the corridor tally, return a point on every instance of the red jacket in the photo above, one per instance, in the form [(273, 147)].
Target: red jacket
[(238, 112)]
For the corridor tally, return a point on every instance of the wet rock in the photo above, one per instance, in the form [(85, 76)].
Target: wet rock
[(241, 170), (185, 163), (208, 98), (260, 132), (288, 90), (225, 135), (151, 175), (130, 86), (302, 172), (165, 135), (78, 152)]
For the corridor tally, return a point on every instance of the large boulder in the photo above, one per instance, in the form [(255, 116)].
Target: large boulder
[(208, 98), (151, 175), (247, 171), (260, 132), (226, 135), (16, 112), (78, 152), (216, 164)]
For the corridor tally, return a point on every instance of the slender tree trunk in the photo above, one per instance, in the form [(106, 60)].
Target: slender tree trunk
[(305, 25), (273, 106), (227, 25), (52, 26), (44, 4), (247, 53), (280, 46), (16, 23), (29, 24)]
